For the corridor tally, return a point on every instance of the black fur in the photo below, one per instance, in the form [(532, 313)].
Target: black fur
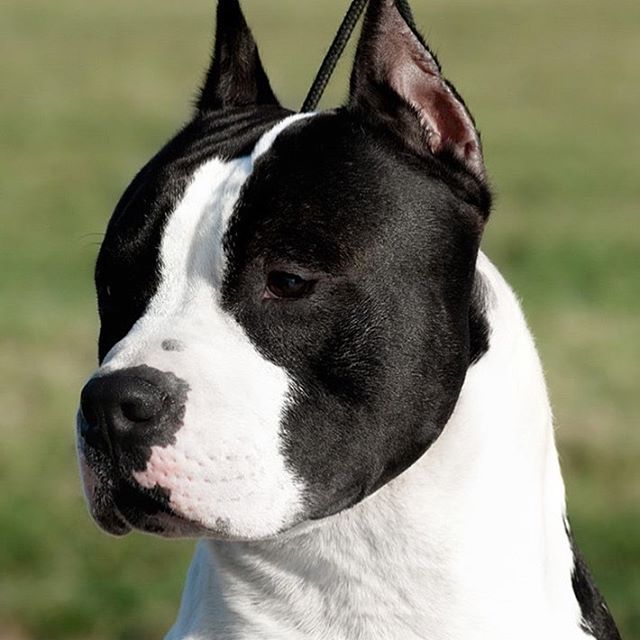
[(479, 330), (127, 266), (103, 485), (596, 617), (381, 347), (236, 76), (235, 107)]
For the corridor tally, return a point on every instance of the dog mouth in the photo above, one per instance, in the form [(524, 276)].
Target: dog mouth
[(118, 504), (148, 511)]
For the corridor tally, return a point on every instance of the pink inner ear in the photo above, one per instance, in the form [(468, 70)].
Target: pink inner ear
[(415, 76), (442, 113), (394, 66)]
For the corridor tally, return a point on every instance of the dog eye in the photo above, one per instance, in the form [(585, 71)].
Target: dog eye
[(281, 284)]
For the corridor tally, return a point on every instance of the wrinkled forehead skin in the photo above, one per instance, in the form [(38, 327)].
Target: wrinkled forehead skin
[(295, 409)]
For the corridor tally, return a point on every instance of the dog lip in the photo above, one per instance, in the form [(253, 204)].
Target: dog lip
[(119, 505), (142, 510), (129, 498), (97, 472), (116, 505), (104, 510), (112, 522)]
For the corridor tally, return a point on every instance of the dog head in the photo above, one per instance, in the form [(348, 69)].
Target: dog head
[(286, 301)]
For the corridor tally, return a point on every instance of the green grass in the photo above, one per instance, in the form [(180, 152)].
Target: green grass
[(91, 90)]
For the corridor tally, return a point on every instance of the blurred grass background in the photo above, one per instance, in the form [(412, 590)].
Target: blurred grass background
[(91, 89)]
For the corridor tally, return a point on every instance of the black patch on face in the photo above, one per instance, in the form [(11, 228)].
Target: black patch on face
[(100, 499), (596, 618), (479, 330), (128, 263), (380, 349), (117, 505), (149, 510)]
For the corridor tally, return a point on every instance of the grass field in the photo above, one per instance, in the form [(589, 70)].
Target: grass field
[(91, 90)]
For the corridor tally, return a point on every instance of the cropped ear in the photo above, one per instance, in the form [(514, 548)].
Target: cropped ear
[(396, 82), (236, 77)]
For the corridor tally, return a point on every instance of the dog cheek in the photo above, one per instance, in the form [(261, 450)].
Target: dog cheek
[(162, 469), (225, 466), (230, 488), (181, 476)]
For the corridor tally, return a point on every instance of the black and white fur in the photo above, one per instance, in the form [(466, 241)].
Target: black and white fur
[(374, 458)]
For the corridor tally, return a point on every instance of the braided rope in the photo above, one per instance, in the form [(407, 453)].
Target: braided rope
[(337, 48)]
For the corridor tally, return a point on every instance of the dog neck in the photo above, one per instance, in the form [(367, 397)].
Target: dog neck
[(470, 542)]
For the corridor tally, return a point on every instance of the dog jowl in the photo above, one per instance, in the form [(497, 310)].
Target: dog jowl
[(290, 303)]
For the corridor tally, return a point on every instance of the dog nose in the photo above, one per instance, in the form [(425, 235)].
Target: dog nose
[(121, 405)]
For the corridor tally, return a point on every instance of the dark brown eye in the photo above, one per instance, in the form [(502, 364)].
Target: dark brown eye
[(281, 284)]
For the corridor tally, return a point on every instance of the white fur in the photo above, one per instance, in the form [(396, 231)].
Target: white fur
[(226, 470), (468, 544)]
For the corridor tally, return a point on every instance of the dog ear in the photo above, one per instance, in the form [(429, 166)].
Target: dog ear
[(236, 77), (396, 82)]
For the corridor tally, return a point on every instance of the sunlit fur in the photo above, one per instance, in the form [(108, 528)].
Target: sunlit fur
[(468, 543)]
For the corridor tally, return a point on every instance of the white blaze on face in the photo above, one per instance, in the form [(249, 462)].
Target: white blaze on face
[(226, 469)]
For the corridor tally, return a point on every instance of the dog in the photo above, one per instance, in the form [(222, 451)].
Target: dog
[(307, 363)]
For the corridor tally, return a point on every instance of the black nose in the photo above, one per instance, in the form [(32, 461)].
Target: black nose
[(128, 407)]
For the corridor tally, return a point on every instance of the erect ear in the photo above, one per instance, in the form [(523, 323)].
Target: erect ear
[(236, 77), (397, 82)]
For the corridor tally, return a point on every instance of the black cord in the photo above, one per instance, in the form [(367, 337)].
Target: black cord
[(338, 46), (333, 55)]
